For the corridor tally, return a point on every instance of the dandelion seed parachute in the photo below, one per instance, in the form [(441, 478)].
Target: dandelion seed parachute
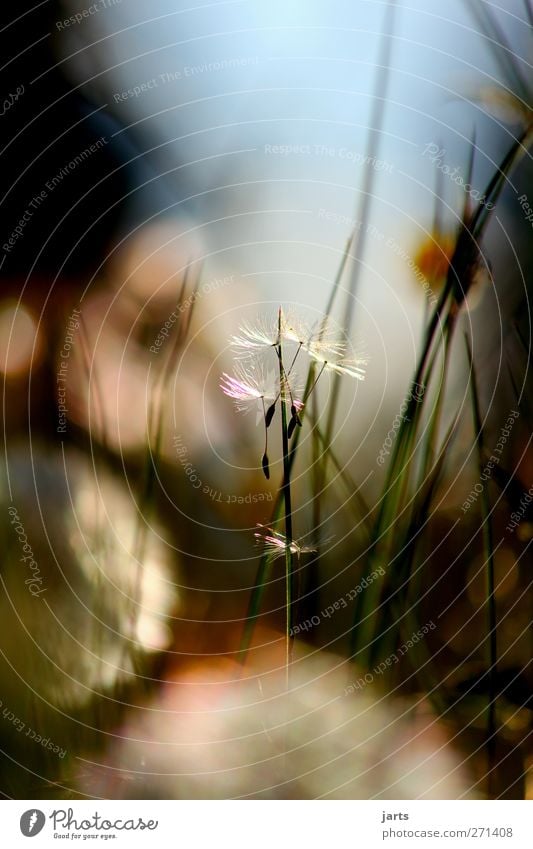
[(352, 368), (255, 337), (275, 544), (248, 385), (325, 342)]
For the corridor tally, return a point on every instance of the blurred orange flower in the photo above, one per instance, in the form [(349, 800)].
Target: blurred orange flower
[(434, 255)]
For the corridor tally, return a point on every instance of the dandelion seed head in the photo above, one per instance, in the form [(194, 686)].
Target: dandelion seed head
[(275, 544), (326, 340), (294, 329), (353, 368), (250, 386), (255, 337)]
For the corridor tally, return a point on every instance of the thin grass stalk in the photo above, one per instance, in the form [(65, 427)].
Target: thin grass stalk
[(437, 228), (419, 656), (396, 489), (352, 488), (340, 272), (286, 489), (362, 215), (406, 542), (443, 307), (446, 310), (430, 470), (359, 242), (436, 415), (407, 458), (265, 562), (399, 476), (431, 433), (372, 147), (401, 610), (513, 155), (312, 570), (395, 483), (488, 545)]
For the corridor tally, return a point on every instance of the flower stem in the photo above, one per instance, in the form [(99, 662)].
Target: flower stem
[(286, 489)]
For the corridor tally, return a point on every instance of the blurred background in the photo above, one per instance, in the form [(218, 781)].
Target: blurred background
[(169, 174)]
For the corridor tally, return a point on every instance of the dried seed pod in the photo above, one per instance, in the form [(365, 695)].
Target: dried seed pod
[(270, 414)]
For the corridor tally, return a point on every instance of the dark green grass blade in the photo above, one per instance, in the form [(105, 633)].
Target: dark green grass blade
[(401, 565), (462, 265), (363, 213), (362, 216)]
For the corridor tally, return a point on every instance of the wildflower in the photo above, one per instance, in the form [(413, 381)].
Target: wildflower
[(443, 254), (433, 257)]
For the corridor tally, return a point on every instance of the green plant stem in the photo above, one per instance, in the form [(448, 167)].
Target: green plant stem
[(265, 562), (390, 508), (358, 242), (488, 545), (286, 489)]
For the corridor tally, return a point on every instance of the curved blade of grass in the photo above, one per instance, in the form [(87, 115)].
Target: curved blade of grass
[(366, 617), (362, 215), (366, 195), (456, 283), (419, 656), (401, 574), (351, 486), (495, 185)]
